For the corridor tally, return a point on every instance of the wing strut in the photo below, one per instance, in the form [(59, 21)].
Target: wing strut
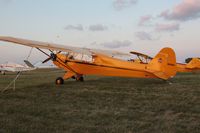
[(29, 53), (67, 66)]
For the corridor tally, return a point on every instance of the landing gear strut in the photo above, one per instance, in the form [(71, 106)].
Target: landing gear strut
[(59, 81)]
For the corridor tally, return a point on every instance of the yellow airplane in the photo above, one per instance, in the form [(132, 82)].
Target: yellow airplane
[(81, 61), (192, 66)]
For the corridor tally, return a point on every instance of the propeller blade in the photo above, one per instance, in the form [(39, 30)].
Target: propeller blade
[(48, 59)]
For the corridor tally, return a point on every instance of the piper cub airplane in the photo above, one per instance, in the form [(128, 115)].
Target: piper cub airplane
[(81, 61)]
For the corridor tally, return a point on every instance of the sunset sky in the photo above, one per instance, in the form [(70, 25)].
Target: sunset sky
[(141, 25)]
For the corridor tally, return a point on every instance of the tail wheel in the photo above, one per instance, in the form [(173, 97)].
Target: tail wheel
[(59, 81), (81, 79)]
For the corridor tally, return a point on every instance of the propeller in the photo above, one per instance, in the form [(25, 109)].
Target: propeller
[(48, 59), (51, 57)]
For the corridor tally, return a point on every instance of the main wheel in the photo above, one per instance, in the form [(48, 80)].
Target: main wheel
[(81, 79), (59, 81)]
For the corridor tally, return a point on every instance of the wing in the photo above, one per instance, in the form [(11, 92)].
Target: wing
[(63, 48), (141, 55)]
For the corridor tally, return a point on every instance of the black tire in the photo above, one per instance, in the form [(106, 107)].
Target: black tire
[(81, 79), (59, 81)]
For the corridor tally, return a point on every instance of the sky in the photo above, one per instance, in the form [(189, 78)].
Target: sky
[(124, 25)]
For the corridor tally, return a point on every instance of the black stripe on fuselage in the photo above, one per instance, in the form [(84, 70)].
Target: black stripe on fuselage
[(86, 63)]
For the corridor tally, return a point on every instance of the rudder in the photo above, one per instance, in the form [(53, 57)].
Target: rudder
[(163, 65)]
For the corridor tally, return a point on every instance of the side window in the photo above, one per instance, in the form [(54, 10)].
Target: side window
[(80, 57)]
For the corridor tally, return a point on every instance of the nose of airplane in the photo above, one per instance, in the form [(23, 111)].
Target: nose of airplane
[(53, 56)]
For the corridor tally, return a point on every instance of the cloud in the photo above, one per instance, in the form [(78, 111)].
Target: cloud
[(186, 10), (98, 27), (144, 19), (114, 44), (121, 4), (74, 27), (143, 35), (167, 27)]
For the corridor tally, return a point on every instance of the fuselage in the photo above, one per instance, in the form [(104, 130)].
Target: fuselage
[(103, 65), (181, 68)]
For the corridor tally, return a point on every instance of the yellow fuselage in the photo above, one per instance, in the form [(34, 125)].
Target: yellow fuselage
[(104, 65)]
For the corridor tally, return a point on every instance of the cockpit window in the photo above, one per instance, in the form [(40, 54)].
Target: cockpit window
[(80, 57)]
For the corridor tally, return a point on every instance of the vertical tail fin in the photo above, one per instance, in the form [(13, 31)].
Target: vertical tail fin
[(163, 65)]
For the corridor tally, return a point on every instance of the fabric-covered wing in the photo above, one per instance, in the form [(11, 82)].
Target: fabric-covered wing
[(42, 45), (56, 47)]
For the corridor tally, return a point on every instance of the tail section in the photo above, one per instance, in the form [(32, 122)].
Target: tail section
[(163, 65)]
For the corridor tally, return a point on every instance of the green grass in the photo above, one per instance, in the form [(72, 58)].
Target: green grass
[(100, 104)]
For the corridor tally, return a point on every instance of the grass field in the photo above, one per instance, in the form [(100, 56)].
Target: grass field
[(100, 104)]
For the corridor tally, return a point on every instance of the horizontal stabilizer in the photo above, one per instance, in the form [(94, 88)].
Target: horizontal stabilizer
[(29, 64)]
